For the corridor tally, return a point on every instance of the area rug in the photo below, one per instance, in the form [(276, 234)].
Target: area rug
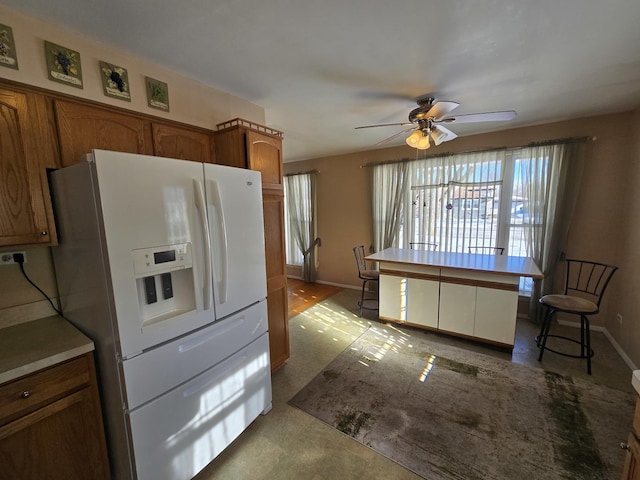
[(450, 414)]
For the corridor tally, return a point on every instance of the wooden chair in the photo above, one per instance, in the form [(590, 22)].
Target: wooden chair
[(585, 284), (487, 250), (423, 246), (367, 275)]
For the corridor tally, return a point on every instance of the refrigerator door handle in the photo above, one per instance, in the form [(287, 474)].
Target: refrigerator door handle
[(204, 224), (217, 202)]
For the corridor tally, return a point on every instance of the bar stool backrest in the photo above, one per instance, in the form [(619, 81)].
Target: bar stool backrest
[(588, 278), (423, 246), (487, 250)]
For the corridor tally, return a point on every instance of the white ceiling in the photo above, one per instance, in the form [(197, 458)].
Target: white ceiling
[(322, 67)]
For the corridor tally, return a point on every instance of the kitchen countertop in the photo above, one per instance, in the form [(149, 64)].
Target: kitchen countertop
[(31, 346)]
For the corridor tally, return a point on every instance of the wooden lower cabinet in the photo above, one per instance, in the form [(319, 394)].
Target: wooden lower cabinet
[(631, 469), (632, 461), (51, 425), (273, 211)]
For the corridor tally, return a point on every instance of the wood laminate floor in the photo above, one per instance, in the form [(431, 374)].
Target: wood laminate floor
[(303, 295)]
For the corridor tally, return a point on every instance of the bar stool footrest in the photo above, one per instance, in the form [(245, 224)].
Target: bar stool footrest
[(591, 352)]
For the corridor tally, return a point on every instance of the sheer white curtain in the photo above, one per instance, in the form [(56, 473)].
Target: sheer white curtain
[(300, 231), (521, 199), (389, 192), (551, 178), (454, 201)]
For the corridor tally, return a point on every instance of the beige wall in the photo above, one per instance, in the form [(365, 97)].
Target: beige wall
[(604, 226), (191, 102)]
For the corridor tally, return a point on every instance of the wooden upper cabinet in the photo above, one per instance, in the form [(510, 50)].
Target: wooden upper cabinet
[(265, 155), (82, 128), (185, 144), (25, 206), (240, 143)]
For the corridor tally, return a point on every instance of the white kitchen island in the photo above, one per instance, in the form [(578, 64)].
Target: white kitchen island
[(464, 294)]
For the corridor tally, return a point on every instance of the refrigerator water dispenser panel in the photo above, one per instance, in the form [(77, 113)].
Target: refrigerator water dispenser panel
[(164, 279), (148, 261)]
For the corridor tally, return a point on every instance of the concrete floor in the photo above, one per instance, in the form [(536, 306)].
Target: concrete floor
[(290, 444)]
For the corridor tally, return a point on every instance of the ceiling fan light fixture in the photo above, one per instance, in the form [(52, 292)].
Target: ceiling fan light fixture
[(438, 136), (413, 139), (423, 143)]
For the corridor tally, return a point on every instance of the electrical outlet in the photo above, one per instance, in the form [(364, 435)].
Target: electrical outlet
[(6, 258), (619, 316)]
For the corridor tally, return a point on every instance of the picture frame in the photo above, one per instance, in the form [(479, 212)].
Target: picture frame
[(8, 53), (157, 94), (115, 81), (63, 64)]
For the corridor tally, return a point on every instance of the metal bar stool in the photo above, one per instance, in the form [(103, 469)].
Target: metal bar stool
[(487, 250), (584, 287), (423, 246), (367, 276)]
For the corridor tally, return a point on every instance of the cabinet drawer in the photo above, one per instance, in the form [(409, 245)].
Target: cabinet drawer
[(24, 395)]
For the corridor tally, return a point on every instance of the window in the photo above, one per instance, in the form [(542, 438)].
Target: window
[(300, 223), (468, 200)]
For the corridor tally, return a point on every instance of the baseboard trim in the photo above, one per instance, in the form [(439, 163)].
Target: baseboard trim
[(614, 344), (341, 285), (332, 284)]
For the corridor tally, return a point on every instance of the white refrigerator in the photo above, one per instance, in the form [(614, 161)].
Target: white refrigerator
[(161, 263)]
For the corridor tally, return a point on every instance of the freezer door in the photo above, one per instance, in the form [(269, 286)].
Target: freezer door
[(157, 371), (153, 217), (178, 434), (234, 206)]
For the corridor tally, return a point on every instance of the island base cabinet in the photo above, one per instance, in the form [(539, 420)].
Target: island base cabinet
[(468, 295), (392, 298), (496, 312), (457, 308), (409, 300), (422, 304)]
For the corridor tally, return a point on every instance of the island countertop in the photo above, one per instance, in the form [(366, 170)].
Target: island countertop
[(472, 262)]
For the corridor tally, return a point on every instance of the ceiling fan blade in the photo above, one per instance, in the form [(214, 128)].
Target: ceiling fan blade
[(385, 125), (440, 109), (394, 136), (481, 117)]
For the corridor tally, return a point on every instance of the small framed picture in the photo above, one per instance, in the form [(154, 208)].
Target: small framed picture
[(115, 81), (157, 94), (8, 54), (63, 64)]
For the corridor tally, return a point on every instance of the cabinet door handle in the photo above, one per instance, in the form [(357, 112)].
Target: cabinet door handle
[(26, 394), (625, 446)]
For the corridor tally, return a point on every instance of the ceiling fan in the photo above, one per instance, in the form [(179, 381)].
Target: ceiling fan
[(426, 122)]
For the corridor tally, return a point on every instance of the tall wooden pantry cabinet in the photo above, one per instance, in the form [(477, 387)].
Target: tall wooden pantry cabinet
[(240, 143)]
